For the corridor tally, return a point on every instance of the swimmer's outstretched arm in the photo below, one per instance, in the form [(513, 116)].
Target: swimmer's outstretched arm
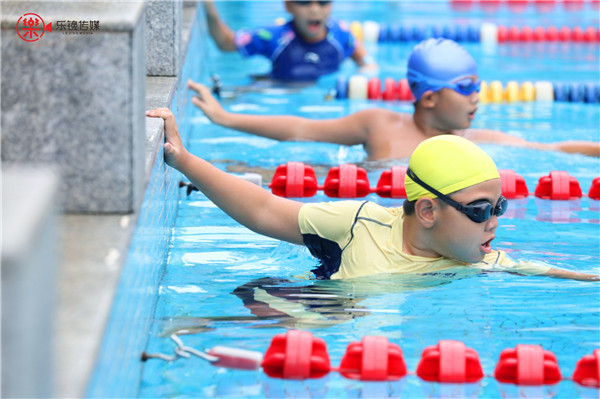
[(348, 130), (558, 273), (222, 34), (247, 203), (589, 148)]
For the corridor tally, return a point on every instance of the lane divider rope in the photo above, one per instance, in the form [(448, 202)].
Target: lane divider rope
[(298, 355), (360, 87), (297, 180)]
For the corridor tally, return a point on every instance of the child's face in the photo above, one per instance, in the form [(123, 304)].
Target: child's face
[(456, 111), (310, 18), (458, 237)]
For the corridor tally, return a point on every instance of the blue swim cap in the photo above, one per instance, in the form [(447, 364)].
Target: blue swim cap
[(436, 62)]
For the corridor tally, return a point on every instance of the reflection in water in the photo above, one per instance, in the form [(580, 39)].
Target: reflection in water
[(279, 302)]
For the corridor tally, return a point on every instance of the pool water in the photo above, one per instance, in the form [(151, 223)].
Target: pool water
[(225, 285)]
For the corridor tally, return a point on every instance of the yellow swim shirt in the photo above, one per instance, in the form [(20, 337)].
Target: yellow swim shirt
[(361, 238)]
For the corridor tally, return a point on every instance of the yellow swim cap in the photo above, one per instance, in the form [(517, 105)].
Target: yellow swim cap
[(448, 163)]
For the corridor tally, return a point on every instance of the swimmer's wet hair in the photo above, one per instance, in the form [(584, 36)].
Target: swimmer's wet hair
[(409, 206)]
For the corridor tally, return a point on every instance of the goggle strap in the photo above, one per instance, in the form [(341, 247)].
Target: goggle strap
[(432, 190)]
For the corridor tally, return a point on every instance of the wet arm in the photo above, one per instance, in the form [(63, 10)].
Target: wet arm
[(247, 203), (349, 130), (558, 273), (589, 148), (345, 131), (220, 32)]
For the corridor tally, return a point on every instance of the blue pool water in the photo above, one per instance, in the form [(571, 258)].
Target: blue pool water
[(219, 276)]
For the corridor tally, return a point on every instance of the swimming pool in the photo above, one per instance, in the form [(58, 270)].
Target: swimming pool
[(219, 276)]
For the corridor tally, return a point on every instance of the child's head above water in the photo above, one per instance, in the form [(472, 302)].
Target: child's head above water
[(310, 18), (448, 163), (438, 63), (461, 224)]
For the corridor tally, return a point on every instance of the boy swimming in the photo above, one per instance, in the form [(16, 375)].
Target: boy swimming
[(449, 220), (303, 49), (446, 96)]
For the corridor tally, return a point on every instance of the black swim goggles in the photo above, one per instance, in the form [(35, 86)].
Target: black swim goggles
[(478, 211), (308, 2)]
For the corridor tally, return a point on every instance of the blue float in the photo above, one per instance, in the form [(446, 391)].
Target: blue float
[(473, 33), (560, 92), (437, 32), (590, 93), (461, 34), (449, 32), (418, 33), (384, 33), (341, 88), (576, 93), (396, 33)]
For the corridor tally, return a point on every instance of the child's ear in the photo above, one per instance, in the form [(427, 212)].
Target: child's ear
[(288, 6), (424, 211), (429, 99)]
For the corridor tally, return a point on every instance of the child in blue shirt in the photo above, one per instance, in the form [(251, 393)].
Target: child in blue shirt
[(308, 46)]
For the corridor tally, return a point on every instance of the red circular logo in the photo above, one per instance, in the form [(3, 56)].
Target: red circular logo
[(30, 27)]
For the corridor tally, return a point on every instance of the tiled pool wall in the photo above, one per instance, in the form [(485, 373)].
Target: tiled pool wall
[(118, 368)]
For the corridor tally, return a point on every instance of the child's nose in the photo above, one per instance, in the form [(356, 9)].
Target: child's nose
[(474, 97), (491, 224)]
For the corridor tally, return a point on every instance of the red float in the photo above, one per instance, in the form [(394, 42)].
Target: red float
[(490, 5), (564, 34), (391, 183), (594, 192), (526, 34), (373, 359), (577, 34), (513, 34), (449, 361), (573, 5), (294, 180), (374, 88), (527, 365), (461, 5), (558, 186), (502, 34), (404, 93), (389, 90), (590, 34), (517, 6), (513, 184), (539, 34), (545, 2), (347, 181), (296, 355), (552, 34), (587, 370)]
